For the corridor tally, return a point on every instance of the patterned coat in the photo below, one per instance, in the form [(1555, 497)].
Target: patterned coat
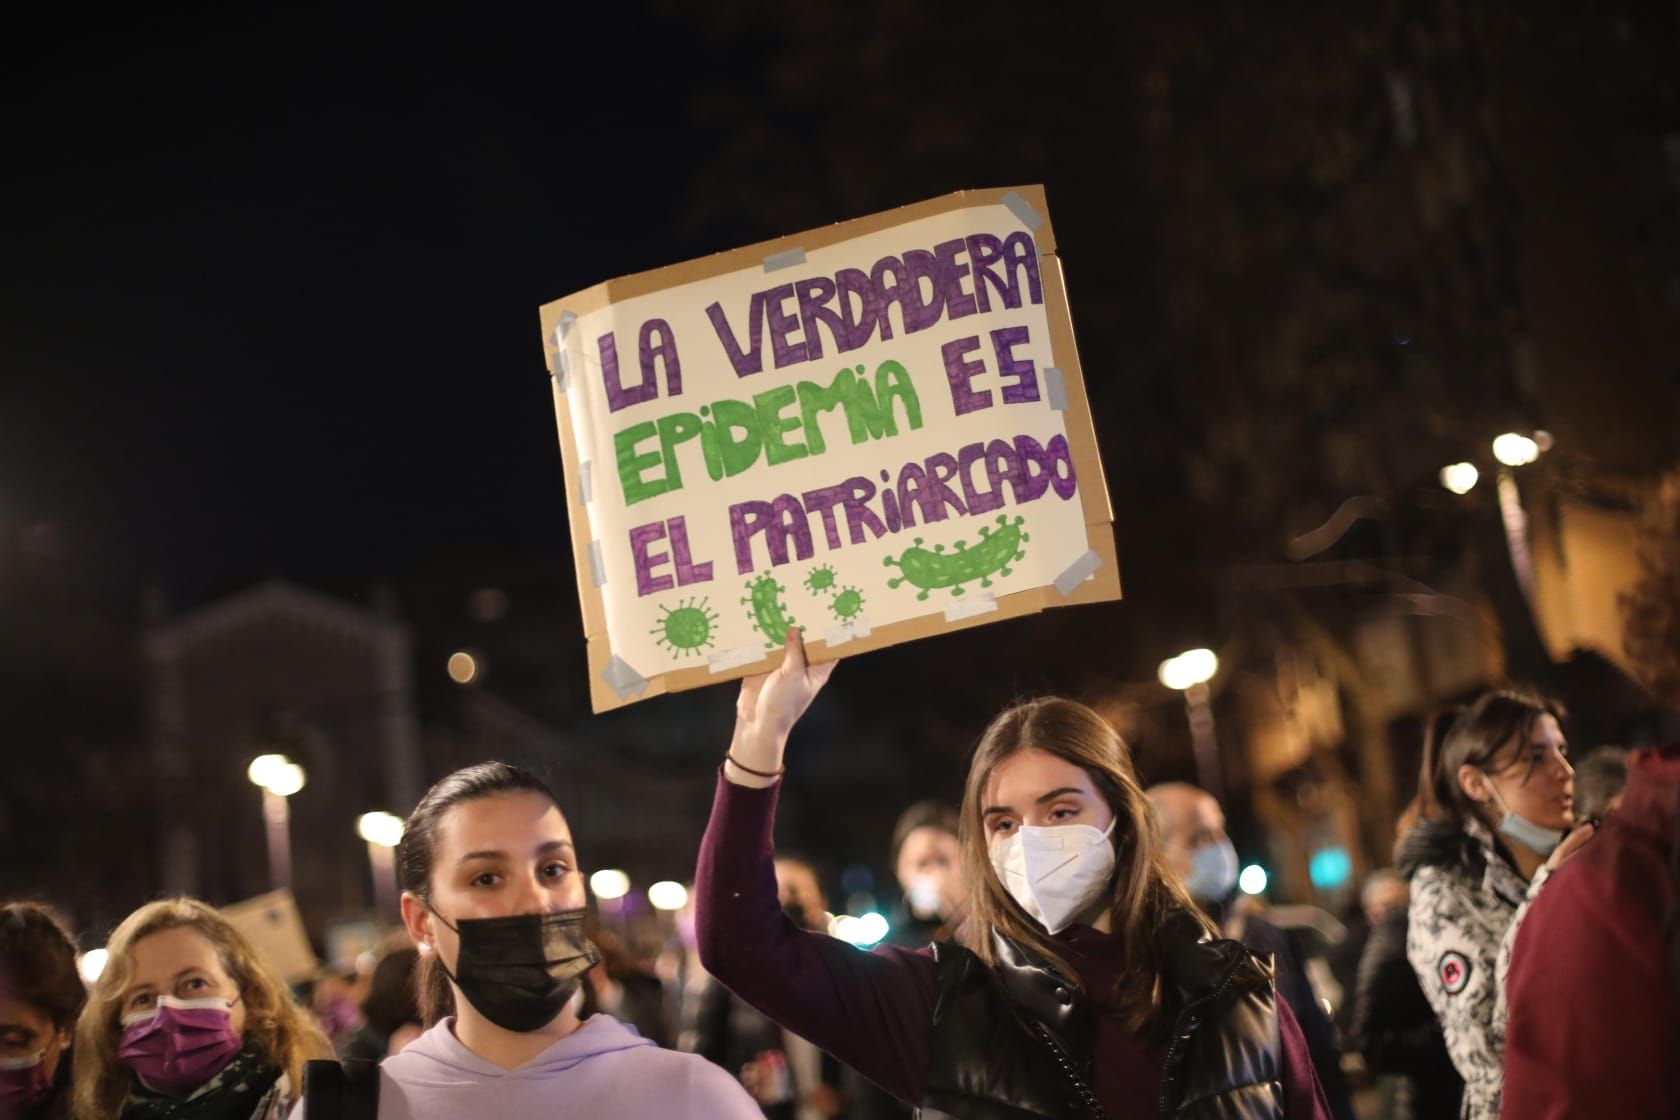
[(1465, 894)]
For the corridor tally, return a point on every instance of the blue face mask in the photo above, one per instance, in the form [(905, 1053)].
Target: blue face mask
[(1540, 841), (1213, 871)]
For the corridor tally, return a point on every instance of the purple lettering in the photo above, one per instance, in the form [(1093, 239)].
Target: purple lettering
[(1019, 252), (986, 250), (814, 295), (951, 274), (744, 361), (1003, 465), (1025, 386), (921, 313), (960, 373), (781, 323), (640, 538), (823, 502), (850, 282), (858, 515), (944, 468), (687, 570), (978, 503), (1061, 456), (885, 296)]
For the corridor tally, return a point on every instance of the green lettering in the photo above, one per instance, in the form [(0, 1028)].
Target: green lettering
[(892, 382), (679, 427), (773, 426), (724, 454), (813, 398), (631, 465), (863, 415)]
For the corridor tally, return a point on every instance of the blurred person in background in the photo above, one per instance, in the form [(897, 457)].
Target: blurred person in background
[(186, 1023), (789, 1077), (391, 1011), (41, 994), (620, 986), (1195, 845), (1496, 794), (336, 1002), (1600, 777), (1390, 1021), (494, 898), (1087, 983), (927, 861), (1593, 987)]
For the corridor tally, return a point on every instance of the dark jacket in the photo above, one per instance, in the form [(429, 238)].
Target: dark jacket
[(1392, 1025), (1013, 1042), (1266, 940)]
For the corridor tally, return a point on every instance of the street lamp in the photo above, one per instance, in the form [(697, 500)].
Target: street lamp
[(668, 895), (1460, 478), (1515, 450), (609, 884), (278, 777), (1189, 673), (383, 832)]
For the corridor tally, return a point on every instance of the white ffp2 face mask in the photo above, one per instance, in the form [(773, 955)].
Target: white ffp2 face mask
[(1056, 872)]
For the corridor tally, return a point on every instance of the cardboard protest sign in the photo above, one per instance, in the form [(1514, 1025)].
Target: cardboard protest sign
[(273, 926), (876, 431)]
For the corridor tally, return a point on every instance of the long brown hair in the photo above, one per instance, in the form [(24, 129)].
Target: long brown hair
[(1145, 892), (279, 1028)]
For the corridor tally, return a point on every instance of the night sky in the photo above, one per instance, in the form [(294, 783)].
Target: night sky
[(271, 290)]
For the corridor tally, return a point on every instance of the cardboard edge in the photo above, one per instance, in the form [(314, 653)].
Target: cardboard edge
[(638, 284)]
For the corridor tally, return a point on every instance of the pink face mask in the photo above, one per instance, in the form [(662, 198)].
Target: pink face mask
[(180, 1045), (23, 1084)]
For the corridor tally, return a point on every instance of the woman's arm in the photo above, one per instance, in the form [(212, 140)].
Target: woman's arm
[(869, 1010), (1303, 1093)]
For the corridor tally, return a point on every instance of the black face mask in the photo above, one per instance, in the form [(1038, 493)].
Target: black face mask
[(519, 972)]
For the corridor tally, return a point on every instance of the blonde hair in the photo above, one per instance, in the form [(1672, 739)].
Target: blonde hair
[(1145, 892), (279, 1028)]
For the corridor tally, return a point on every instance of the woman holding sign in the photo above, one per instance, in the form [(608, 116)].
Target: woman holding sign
[(1087, 984)]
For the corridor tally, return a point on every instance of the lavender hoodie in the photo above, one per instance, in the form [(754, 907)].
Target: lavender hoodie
[(602, 1069)]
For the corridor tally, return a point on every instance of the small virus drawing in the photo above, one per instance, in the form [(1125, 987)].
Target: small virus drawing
[(991, 555), (687, 628), (765, 610), (848, 604), (821, 578)]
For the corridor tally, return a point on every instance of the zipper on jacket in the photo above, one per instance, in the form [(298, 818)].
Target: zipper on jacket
[(1180, 1036)]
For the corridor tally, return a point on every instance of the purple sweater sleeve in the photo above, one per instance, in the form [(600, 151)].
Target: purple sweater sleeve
[(870, 1010), (1303, 1096)]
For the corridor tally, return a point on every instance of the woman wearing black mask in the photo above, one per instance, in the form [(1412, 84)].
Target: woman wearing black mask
[(493, 897)]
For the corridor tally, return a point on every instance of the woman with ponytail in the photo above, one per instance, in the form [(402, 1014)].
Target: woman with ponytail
[(1496, 795), (494, 897)]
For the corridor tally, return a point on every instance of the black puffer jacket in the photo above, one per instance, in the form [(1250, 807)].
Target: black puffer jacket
[(1013, 1041)]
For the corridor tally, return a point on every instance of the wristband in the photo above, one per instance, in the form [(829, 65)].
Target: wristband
[(755, 773)]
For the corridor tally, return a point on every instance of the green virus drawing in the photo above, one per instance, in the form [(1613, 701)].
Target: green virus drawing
[(820, 579), (990, 556), (766, 611), (687, 628), (848, 604)]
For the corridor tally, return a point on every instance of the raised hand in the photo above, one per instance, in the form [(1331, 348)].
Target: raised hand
[(768, 707)]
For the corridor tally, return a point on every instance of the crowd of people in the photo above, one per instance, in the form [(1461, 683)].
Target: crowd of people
[(1070, 944)]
